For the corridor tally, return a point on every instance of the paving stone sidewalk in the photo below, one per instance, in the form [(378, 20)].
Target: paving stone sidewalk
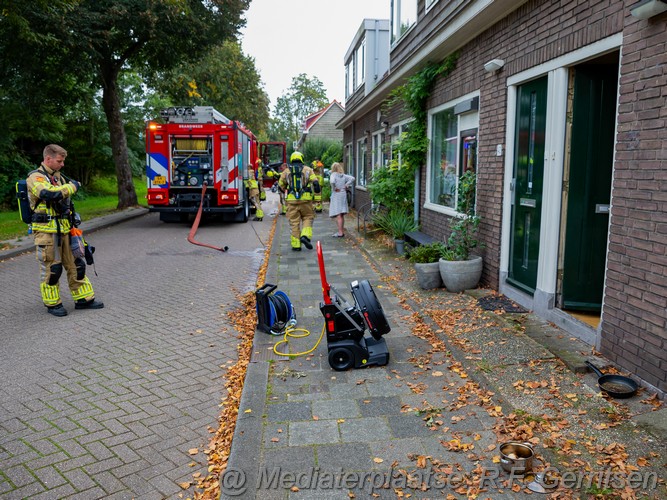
[(429, 423)]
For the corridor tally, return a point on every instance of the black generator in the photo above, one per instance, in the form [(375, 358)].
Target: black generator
[(346, 324)]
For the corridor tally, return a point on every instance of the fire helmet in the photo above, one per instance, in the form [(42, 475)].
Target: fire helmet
[(296, 156)]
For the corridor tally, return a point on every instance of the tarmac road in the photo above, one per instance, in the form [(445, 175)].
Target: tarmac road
[(108, 403)]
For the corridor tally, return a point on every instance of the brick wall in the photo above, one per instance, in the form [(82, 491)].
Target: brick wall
[(634, 326)]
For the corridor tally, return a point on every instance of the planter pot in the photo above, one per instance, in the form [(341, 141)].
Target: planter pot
[(428, 275), (460, 275), (400, 246)]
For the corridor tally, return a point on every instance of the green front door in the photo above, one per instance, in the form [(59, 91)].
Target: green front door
[(589, 186), (528, 179)]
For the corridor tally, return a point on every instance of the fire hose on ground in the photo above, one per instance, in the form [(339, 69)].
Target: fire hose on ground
[(195, 225)]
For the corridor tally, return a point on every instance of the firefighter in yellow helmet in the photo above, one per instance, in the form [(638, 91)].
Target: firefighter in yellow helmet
[(49, 194), (318, 168), (253, 184), (299, 183)]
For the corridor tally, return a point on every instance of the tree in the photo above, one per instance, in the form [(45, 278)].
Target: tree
[(224, 78), (99, 40), (304, 96)]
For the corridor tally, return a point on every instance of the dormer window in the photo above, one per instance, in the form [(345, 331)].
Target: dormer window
[(403, 17)]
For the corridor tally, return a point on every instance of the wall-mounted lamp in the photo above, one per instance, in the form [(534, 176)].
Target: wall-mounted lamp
[(385, 124), (648, 8), (367, 132), (494, 65)]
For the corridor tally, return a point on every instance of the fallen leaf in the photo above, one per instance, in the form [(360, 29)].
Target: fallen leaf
[(193, 451), (378, 460)]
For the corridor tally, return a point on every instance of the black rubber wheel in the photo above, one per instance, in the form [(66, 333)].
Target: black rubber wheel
[(341, 359)]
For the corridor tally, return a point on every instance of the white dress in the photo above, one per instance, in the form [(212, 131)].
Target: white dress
[(339, 184)]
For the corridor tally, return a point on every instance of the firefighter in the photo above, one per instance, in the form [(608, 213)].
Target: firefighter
[(253, 183), (260, 179), (50, 199), (318, 168), (299, 183), (281, 192)]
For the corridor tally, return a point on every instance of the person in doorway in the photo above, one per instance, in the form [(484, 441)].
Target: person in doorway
[(340, 184), (253, 184), (300, 184), (50, 193)]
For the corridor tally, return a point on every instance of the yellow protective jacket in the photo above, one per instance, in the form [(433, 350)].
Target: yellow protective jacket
[(297, 188), (52, 192)]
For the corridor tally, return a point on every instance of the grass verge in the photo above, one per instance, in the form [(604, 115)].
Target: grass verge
[(97, 199)]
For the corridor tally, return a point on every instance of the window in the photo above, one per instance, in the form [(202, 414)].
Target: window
[(430, 3), (396, 135), (453, 142), (349, 163), (359, 63), (378, 153), (361, 162), (354, 69), (403, 16)]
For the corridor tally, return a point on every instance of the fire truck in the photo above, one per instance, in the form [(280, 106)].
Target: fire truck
[(273, 154), (195, 146)]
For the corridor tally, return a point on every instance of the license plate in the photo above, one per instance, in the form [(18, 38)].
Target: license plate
[(159, 179)]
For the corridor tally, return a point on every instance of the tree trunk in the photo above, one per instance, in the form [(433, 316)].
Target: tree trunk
[(127, 196)]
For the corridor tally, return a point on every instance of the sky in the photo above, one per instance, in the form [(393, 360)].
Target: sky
[(290, 37)]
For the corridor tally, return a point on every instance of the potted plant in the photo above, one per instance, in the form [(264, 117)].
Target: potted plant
[(396, 222), (458, 268), (426, 261)]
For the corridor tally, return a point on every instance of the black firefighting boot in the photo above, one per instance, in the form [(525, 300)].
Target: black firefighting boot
[(58, 310), (88, 304), (306, 241)]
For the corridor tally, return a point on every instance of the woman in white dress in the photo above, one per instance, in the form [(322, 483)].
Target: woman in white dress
[(340, 183)]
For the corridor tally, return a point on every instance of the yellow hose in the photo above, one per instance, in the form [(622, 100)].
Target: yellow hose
[(285, 340)]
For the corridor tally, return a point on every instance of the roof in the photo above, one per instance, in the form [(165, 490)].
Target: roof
[(313, 118)]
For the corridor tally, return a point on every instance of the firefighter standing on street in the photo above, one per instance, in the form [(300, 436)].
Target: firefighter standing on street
[(281, 192), (318, 168), (49, 194), (300, 184), (253, 184)]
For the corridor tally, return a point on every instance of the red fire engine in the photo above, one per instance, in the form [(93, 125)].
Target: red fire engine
[(198, 145), (273, 154)]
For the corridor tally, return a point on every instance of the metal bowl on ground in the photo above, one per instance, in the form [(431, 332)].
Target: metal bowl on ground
[(516, 457)]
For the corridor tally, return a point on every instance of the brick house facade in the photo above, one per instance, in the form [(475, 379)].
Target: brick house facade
[(554, 53)]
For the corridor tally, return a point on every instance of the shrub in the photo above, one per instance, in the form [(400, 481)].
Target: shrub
[(396, 222), (425, 254)]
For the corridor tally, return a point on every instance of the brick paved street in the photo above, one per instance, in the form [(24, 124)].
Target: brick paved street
[(108, 403)]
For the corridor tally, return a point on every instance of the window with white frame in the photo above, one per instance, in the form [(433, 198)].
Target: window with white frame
[(403, 17), (360, 174), (453, 144), (349, 157), (348, 88), (396, 135), (378, 159)]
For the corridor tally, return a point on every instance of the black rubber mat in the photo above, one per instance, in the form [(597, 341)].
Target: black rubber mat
[(496, 302)]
